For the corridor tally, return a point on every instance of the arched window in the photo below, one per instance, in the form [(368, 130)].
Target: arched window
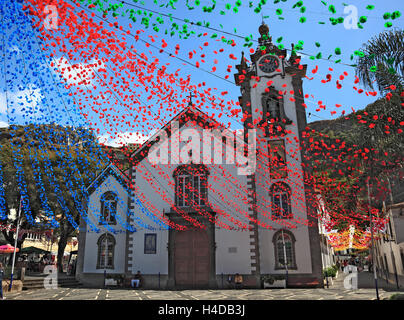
[(108, 208), (281, 202), (277, 159), (273, 106), (106, 248), (284, 246), (191, 185)]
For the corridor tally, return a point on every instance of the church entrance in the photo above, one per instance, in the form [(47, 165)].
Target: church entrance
[(192, 259)]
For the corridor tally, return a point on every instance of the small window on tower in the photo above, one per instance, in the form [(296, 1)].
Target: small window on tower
[(273, 109), (232, 249), (274, 115)]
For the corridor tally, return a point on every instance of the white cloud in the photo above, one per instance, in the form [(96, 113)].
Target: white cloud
[(14, 49), (23, 102), (123, 138), (79, 74), (3, 124)]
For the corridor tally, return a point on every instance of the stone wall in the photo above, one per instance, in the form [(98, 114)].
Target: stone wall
[(17, 286)]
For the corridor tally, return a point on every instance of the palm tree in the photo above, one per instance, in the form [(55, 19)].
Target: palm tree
[(383, 61)]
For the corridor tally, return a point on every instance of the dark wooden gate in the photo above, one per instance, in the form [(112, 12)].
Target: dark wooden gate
[(192, 262)]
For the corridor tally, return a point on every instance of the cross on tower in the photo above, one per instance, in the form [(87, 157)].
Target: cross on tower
[(190, 98)]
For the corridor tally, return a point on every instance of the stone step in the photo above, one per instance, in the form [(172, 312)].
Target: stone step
[(32, 282), (39, 283)]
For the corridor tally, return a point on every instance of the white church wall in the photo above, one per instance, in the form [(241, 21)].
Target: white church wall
[(150, 263), (146, 191), (94, 209), (232, 252), (232, 246)]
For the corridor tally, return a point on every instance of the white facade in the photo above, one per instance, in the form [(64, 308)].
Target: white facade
[(94, 209), (153, 195), (390, 246)]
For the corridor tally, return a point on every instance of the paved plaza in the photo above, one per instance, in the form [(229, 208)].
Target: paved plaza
[(268, 294), (334, 292)]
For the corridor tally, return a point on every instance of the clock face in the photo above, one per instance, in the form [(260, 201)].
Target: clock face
[(268, 64)]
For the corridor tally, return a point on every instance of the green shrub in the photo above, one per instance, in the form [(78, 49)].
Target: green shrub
[(271, 278), (329, 272), (268, 278)]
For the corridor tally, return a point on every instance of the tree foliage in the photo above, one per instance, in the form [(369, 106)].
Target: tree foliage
[(56, 164)]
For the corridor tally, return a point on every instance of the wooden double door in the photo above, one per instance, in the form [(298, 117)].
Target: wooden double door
[(192, 259)]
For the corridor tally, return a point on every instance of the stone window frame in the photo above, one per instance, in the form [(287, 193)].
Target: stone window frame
[(284, 168), (154, 249), (272, 94), (191, 171), (289, 192), (110, 238), (102, 200), (275, 240)]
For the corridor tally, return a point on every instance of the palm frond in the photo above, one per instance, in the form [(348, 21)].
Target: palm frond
[(386, 53)]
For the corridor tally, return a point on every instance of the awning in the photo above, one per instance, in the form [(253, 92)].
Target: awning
[(8, 249), (29, 250)]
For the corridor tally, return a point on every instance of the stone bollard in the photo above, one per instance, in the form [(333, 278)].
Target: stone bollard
[(22, 274)]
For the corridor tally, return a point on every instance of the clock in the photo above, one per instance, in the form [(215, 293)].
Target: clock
[(268, 64)]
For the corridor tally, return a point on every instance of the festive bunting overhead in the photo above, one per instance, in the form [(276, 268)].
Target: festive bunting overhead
[(77, 75)]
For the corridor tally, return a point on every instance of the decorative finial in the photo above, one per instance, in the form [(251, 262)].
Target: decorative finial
[(263, 29), (293, 53)]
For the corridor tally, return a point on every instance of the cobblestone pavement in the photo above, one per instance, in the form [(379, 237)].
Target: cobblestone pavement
[(243, 294), (334, 292)]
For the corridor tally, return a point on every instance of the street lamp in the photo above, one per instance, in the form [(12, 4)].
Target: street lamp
[(371, 226), (15, 245), (373, 246), (393, 258), (284, 259)]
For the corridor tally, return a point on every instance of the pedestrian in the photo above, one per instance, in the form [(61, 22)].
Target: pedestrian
[(238, 281), (1, 281), (137, 279)]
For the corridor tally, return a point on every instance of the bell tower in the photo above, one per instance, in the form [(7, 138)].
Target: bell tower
[(272, 102)]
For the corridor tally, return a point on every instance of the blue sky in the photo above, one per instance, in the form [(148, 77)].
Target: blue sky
[(50, 101)]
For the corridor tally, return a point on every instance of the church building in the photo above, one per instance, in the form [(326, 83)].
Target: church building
[(192, 219)]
